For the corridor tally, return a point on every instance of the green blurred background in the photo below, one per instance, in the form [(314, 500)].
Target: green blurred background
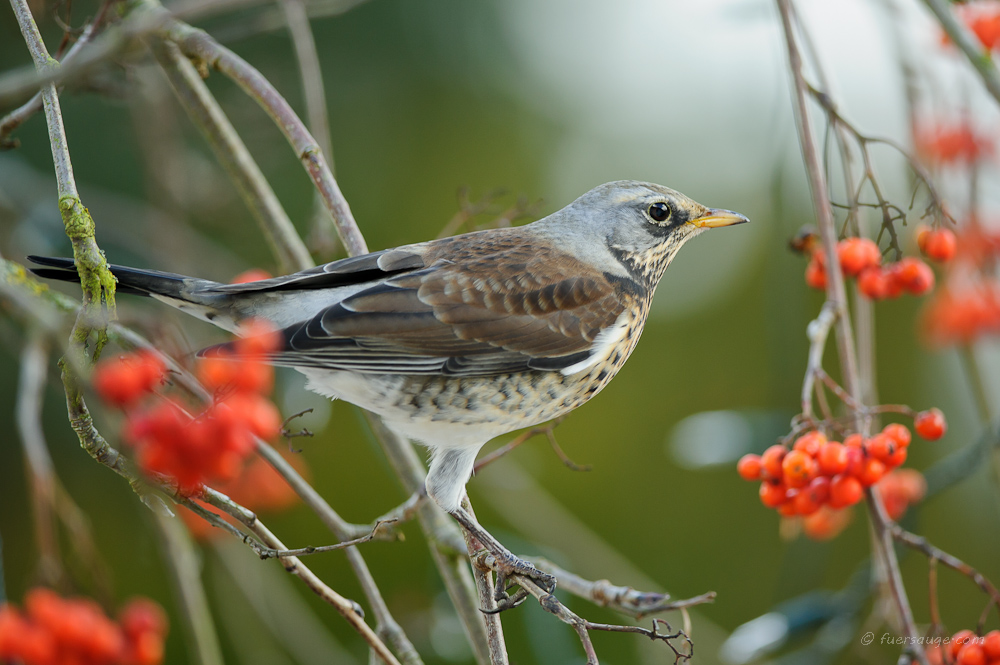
[(544, 99)]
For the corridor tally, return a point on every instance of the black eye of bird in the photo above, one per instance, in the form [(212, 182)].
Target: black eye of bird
[(659, 211)]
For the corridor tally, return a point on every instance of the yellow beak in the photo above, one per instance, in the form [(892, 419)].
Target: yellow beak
[(717, 217)]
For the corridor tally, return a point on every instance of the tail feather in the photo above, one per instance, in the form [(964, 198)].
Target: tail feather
[(130, 280)]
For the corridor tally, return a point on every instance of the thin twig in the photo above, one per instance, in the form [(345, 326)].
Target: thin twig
[(30, 393), (624, 599), (817, 331), (18, 116), (347, 609), (197, 44), (234, 156), (322, 236), (921, 544)]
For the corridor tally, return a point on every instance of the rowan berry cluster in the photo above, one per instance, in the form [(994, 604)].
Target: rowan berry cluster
[(209, 446), (967, 305), (257, 487), (966, 648), (861, 258), (818, 477), (53, 630)]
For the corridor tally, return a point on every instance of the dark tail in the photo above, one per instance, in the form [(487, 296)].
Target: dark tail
[(130, 280)]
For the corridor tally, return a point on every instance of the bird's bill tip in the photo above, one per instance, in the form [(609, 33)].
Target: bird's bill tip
[(717, 217)]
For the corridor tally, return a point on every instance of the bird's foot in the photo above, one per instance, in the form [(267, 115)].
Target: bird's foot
[(508, 567)]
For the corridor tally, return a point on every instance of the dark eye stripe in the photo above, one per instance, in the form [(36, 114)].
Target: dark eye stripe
[(659, 212)]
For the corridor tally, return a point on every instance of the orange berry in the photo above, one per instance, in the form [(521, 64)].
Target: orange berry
[(939, 245), (142, 615), (873, 283), (145, 649), (832, 458), (857, 254), (854, 441), (816, 275), (845, 491), (749, 467), (880, 446), (871, 472), (898, 433), (971, 654), (123, 380), (773, 494), (930, 424), (897, 458), (771, 461), (809, 499), (991, 644), (810, 442), (798, 468), (826, 523), (913, 275), (855, 461), (959, 640), (788, 509)]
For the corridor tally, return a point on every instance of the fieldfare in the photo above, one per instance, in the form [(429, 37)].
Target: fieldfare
[(453, 342)]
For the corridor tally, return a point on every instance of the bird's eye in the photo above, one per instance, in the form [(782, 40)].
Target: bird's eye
[(659, 211)]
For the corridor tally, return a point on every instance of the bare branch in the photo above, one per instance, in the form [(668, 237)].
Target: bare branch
[(234, 156)]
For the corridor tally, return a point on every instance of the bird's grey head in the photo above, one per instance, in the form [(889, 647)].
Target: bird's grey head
[(641, 224)]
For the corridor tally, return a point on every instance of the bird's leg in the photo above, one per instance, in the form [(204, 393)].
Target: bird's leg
[(507, 564)]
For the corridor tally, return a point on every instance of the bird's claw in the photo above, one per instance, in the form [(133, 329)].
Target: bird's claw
[(508, 566)]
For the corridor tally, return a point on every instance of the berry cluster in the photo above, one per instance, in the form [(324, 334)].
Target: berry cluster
[(966, 648), (257, 487), (967, 306), (60, 631), (941, 143), (209, 446), (861, 258), (819, 477)]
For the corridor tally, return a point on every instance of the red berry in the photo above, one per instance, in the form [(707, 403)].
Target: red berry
[(855, 461), (773, 494), (809, 499), (898, 433), (749, 467), (938, 245), (971, 654), (832, 458), (771, 461), (959, 640), (798, 468), (871, 472), (810, 443), (880, 446), (123, 380), (854, 441), (874, 283), (913, 275), (142, 615), (991, 644), (930, 424), (845, 491), (816, 275), (826, 523), (857, 254), (898, 458), (788, 509)]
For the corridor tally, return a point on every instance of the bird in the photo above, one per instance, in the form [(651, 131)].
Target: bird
[(456, 341)]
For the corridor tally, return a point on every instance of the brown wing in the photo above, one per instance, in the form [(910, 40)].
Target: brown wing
[(485, 304)]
